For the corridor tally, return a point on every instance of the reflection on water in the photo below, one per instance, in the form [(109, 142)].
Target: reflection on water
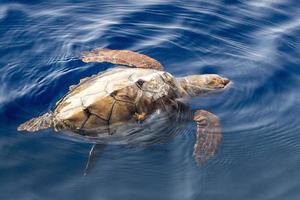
[(254, 43)]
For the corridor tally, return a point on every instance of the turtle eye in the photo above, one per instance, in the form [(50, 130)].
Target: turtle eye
[(140, 82)]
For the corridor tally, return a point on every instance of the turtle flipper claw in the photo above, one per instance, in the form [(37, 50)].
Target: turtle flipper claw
[(208, 135)]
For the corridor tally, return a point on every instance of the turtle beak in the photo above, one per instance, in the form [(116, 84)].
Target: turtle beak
[(226, 81)]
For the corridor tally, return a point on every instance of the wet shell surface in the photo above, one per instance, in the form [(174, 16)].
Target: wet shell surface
[(114, 97)]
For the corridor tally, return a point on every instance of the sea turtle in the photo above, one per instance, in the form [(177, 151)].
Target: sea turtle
[(133, 104)]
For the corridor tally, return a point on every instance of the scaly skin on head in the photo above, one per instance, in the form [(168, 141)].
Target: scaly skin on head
[(198, 85)]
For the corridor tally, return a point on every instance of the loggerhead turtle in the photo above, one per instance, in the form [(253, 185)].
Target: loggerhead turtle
[(120, 104)]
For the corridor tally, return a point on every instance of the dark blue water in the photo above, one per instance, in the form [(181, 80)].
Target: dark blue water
[(255, 43)]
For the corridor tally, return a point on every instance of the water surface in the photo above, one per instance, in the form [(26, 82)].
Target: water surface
[(254, 43)]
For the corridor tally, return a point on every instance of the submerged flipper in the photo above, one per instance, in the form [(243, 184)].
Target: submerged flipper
[(35, 124), (208, 135), (121, 57), (94, 154)]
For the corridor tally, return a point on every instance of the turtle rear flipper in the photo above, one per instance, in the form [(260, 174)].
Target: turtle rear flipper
[(35, 124), (208, 135), (94, 154)]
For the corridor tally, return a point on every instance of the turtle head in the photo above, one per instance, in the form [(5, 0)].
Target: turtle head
[(199, 85)]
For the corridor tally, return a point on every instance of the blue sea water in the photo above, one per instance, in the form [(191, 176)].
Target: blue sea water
[(255, 43)]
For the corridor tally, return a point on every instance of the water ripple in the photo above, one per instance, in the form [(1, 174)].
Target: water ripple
[(253, 43)]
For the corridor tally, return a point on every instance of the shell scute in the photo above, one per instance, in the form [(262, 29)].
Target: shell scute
[(101, 107), (121, 112), (76, 120), (94, 122), (145, 105), (127, 94)]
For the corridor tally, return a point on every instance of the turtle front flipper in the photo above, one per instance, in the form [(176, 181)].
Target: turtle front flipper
[(208, 135), (94, 154), (121, 57), (35, 124)]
